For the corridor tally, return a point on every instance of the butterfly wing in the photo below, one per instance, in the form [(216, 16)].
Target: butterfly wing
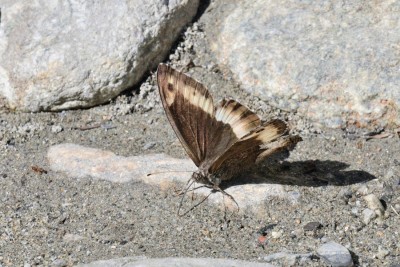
[(190, 110), (253, 148), (221, 140), (235, 117), (239, 117)]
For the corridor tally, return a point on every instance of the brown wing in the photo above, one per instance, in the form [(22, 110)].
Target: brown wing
[(252, 148), (211, 137), (239, 117), (234, 116), (285, 142), (190, 110)]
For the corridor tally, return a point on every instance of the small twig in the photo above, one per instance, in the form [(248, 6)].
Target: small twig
[(394, 210), (89, 127), (98, 125), (378, 136)]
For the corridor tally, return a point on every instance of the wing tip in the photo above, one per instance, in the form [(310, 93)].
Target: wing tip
[(289, 142), (162, 69), (292, 140), (162, 66), (279, 125)]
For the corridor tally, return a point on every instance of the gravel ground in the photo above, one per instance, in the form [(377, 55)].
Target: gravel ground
[(47, 218)]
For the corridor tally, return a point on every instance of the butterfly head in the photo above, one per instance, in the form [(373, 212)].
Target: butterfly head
[(203, 177)]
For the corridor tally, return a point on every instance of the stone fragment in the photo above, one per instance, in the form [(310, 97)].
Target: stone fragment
[(335, 255), (289, 259), (368, 216), (165, 172), (312, 226), (375, 204)]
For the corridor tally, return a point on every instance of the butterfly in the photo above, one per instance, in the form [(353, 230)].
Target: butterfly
[(222, 140)]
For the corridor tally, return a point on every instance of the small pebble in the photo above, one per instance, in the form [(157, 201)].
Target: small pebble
[(149, 145), (297, 232), (375, 204), (276, 234), (335, 254), (362, 190), (368, 216), (59, 263), (312, 226), (56, 129), (354, 211)]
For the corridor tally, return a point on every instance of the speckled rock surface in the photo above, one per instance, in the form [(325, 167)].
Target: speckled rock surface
[(63, 55), (334, 62)]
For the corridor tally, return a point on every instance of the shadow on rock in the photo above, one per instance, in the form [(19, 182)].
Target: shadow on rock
[(302, 173)]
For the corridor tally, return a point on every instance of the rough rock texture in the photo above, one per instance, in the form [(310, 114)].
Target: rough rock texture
[(289, 259), (173, 262), (335, 62), (62, 55), (50, 218)]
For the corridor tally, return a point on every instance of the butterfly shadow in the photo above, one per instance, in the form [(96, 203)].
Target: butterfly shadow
[(311, 173)]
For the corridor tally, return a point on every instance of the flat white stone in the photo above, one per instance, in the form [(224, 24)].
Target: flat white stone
[(173, 262), (79, 162)]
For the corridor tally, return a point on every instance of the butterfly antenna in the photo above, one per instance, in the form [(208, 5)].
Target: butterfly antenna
[(188, 185), (149, 174)]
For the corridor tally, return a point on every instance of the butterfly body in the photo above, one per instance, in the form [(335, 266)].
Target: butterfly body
[(204, 177), (222, 140)]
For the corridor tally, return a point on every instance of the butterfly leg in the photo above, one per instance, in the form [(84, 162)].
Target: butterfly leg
[(184, 191), (192, 208), (187, 189), (224, 193)]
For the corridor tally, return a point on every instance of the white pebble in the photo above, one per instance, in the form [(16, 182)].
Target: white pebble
[(56, 129), (276, 234), (368, 215), (375, 204)]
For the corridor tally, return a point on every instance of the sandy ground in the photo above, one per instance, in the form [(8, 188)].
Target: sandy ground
[(49, 218)]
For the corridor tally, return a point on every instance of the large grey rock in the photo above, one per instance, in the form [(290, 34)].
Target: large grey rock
[(335, 62), (173, 262), (68, 54)]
